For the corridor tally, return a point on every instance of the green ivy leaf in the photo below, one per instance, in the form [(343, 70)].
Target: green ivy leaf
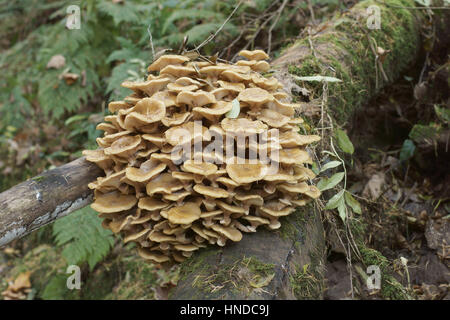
[(235, 109), (330, 165), (328, 183), (352, 202), (342, 209), (344, 141), (334, 202), (407, 150)]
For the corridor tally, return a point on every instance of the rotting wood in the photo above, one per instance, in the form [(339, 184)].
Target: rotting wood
[(44, 198)]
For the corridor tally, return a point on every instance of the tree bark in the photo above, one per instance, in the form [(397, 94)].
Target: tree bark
[(42, 199), (287, 263)]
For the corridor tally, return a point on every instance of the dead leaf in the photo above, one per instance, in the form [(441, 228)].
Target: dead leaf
[(374, 186), (56, 62), (263, 281), (70, 78)]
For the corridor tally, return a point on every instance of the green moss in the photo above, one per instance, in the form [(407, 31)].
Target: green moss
[(390, 287), (292, 225), (306, 283), (350, 58)]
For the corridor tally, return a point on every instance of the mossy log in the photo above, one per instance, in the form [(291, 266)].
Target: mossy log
[(289, 263)]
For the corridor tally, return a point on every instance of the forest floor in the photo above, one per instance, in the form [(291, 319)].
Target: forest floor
[(406, 204)]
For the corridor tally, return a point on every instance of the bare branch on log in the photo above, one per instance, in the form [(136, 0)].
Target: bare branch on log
[(42, 199)]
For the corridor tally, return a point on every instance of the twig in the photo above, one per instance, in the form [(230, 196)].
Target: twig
[(280, 9), (151, 41), (211, 37)]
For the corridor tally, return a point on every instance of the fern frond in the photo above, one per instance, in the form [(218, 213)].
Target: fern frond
[(83, 237)]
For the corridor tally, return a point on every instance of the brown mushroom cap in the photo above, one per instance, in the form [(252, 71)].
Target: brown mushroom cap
[(230, 232), (247, 172), (243, 125), (196, 99), (146, 111), (113, 202), (212, 192), (185, 214), (255, 96), (254, 55), (273, 118), (200, 168), (151, 204), (177, 71), (149, 255), (165, 60), (146, 171), (164, 183), (124, 146), (294, 155), (149, 87)]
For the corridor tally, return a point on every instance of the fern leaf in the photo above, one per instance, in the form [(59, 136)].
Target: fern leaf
[(83, 237)]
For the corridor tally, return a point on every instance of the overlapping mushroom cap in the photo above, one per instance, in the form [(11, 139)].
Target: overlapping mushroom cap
[(170, 205)]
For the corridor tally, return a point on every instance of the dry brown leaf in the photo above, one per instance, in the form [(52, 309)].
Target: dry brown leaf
[(374, 186), (56, 62)]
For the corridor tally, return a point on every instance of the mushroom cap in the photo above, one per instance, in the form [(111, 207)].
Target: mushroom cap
[(124, 146), (186, 133), (231, 86), (115, 106), (169, 99), (273, 118), (293, 155), (246, 172), (149, 255), (185, 214), (230, 232), (149, 87), (230, 208), (176, 119), (200, 168), (196, 99), (164, 183), (255, 96), (151, 204), (99, 157), (146, 171), (165, 60), (146, 111), (217, 109), (300, 187), (212, 192), (289, 139), (186, 247), (155, 138), (177, 71), (113, 202), (276, 212), (243, 125), (177, 88), (313, 192), (261, 66), (235, 76), (254, 55)]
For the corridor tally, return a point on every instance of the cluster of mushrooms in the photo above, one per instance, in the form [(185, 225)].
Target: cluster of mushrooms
[(171, 208)]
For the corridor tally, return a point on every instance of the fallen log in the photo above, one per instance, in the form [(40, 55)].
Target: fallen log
[(38, 201), (273, 265), (288, 263)]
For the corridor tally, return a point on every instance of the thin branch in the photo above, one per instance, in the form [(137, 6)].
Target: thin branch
[(280, 9)]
